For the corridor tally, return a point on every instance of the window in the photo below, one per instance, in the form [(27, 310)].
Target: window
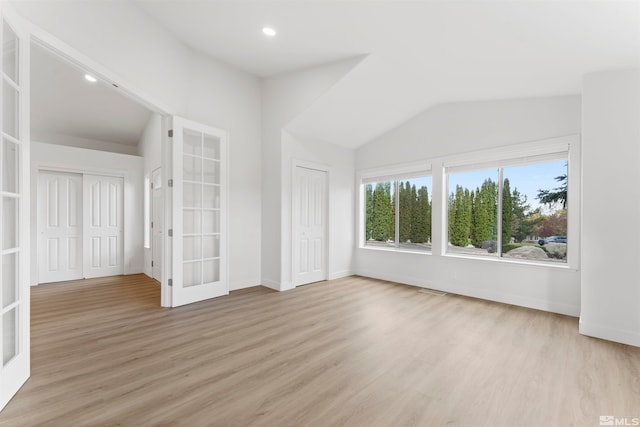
[(516, 209), (398, 212)]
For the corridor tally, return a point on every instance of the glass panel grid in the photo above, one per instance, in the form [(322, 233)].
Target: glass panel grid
[(9, 335), (201, 208), (10, 281), (10, 109), (10, 166), (10, 222), (10, 45)]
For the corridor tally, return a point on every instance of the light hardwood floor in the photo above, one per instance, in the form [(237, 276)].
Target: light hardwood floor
[(355, 351)]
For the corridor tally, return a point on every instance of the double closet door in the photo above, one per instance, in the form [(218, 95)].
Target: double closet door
[(80, 225)]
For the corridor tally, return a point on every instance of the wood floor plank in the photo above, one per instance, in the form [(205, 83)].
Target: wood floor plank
[(348, 352)]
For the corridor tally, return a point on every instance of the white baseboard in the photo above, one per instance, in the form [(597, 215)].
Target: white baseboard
[(340, 274), (243, 284), (475, 292), (270, 284), (610, 334)]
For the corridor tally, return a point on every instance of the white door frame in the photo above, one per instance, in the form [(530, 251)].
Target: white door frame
[(41, 37), (295, 163), (159, 256)]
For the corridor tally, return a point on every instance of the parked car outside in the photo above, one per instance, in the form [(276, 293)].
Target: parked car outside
[(552, 239)]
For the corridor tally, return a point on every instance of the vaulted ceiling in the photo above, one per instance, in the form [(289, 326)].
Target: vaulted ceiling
[(416, 54)]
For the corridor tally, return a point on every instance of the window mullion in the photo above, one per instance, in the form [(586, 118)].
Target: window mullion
[(499, 204), (397, 214)]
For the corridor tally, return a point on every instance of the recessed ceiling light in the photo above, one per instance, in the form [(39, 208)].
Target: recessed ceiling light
[(90, 78), (268, 31)]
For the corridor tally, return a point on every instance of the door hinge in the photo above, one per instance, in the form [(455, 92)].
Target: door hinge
[(170, 133), (170, 232), (152, 185), (151, 224), (151, 263), (170, 282), (170, 183)]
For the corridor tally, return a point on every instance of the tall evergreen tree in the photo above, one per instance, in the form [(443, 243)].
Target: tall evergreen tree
[(369, 214), (507, 212), (421, 218), (382, 219), (462, 217), (404, 200), (485, 211)]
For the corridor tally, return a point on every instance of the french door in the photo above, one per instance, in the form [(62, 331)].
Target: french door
[(14, 209), (199, 212)]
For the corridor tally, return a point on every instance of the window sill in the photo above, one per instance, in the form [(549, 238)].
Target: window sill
[(400, 250), (503, 260)]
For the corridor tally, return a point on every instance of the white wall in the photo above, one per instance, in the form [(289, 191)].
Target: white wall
[(340, 162), (284, 96), (611, 206), (74, 159), (224, 97), (147, 59), (450, 129)]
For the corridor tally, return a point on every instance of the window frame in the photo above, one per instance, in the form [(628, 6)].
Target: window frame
[(562, 148), (436, 166), (394, 174)]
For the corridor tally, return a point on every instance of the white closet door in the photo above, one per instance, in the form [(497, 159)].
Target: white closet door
[(103, 226), (310, 225), (60, 226)]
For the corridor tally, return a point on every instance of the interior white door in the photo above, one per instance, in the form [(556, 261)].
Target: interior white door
[(14, 208), (199, 212), (157, 225), (310, 225), (103, 226), (60, 226)]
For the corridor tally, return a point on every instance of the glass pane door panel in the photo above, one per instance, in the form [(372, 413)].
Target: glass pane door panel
[(192, 247), (211, 270), (9, 279), (210, 246), (9, 53), (211, 149), (192, 220), (192, 195), (192, 274), (9, 110), (192, 168), (211, 171), (9, 166), (192, 143), (211, 196), (210, 221), (10, 222), (9, 335)]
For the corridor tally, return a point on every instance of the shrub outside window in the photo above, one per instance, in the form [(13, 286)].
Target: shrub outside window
[(398, 213), (515, 210)]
